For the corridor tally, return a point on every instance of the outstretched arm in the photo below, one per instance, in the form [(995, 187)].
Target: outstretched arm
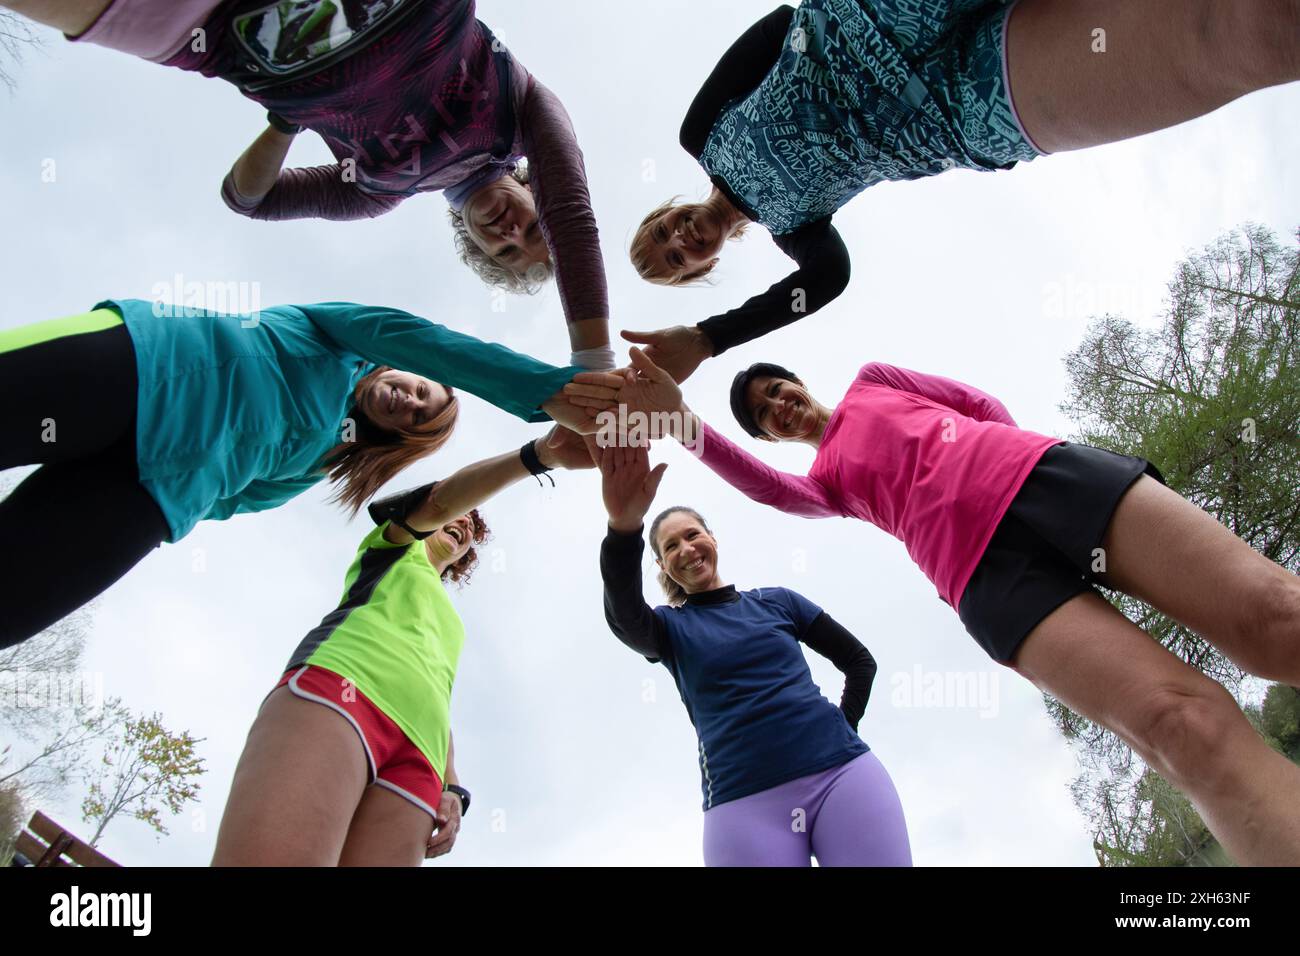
[(628, 487), (823, 274), (559, 181), (650, 394), (509, 380), (428, 508), (962, 398)]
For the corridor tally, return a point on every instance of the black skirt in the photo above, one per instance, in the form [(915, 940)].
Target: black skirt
[(1047, 547)]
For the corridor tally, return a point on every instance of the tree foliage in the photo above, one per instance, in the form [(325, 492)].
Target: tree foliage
[(145, 771), (1211, 395)]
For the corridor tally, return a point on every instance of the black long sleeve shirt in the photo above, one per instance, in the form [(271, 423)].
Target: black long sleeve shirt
[(823, 259), (636, 625)]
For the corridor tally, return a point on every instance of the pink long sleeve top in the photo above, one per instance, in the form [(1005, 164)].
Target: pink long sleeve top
[(931, 461)]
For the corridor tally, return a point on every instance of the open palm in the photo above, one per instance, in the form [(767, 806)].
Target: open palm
[(628, 485), (648, 388)]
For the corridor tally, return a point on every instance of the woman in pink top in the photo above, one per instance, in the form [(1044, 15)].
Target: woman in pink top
[(1014, 529)]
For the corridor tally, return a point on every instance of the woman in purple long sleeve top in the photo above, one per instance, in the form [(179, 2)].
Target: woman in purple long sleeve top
[(1014, 529), (410, 96)]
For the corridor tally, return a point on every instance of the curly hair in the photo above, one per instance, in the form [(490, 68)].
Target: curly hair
[(462, 570), (488, 269)]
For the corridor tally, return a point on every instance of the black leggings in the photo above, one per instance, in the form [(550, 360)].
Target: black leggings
[(81, 520)]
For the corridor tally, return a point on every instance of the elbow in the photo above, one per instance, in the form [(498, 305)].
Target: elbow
[(838, 275), (236, 201)]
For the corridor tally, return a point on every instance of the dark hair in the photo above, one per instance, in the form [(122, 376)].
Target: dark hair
[(740, 385), (675, 593), (460, 571)]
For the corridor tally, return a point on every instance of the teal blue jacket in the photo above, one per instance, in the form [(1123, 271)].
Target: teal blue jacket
[(236, 413)]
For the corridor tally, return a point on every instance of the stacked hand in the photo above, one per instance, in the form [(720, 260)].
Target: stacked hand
[(580, 402), (564, 448), (678, 350), (628, 485)]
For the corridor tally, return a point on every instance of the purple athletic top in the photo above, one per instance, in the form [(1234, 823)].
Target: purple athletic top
[(933, 462), (417, 111)]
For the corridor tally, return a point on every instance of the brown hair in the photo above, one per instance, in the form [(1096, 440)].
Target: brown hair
[(675, 593), (362, 466), (643, 244), (488, 269), (461, 571)]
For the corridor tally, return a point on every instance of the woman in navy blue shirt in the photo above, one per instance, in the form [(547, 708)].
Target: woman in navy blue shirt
[(784, 773)]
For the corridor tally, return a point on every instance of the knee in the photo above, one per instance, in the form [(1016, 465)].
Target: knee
[(1187, 732), (1267, 638)]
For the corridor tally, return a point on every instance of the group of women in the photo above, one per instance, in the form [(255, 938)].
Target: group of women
[(142, 426)]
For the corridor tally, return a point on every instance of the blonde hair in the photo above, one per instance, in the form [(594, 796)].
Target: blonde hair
[(643, 245), (488, 269), (361, 467), (674, 592)]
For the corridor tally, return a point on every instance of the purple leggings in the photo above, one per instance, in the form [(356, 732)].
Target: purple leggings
[(849, 815)]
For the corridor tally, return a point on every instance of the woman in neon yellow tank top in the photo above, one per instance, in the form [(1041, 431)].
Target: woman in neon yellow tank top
[(349, 762)]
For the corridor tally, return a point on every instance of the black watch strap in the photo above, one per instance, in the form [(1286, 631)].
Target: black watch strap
[(282, 124), (528, 455), (463, 794)]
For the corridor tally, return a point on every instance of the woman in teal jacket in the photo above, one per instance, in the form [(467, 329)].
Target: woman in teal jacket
[(147, 418)]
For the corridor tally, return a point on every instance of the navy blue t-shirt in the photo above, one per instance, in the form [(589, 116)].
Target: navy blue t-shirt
[(761, 720)]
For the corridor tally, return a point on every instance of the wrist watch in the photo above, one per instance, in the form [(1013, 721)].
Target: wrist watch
[(463, 794), (282, 124)]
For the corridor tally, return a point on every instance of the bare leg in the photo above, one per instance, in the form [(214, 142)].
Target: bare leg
[(1185, 726), (1168, 552), (296, 788), (72, 17), (387, 830), (1165, 62)]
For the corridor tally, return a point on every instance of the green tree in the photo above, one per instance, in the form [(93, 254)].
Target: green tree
[(1212, 396), (147, 770)]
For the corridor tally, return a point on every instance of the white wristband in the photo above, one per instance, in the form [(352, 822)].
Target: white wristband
[(599, 359)]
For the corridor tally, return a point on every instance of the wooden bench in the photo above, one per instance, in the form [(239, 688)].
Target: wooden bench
[(46, 843)]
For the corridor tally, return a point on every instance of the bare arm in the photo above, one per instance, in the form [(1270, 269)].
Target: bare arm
[(474, 484), (256, 171)]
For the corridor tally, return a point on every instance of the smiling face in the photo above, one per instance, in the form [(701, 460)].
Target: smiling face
[(450, 543), (399, 401), (681, 243), (781, 408), (687, 553), (501, 219)]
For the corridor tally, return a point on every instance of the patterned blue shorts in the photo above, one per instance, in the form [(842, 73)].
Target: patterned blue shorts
[(866, 91), (959, 48)]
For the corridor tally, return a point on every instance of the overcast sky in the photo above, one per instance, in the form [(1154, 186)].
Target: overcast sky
[(577, 751)]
